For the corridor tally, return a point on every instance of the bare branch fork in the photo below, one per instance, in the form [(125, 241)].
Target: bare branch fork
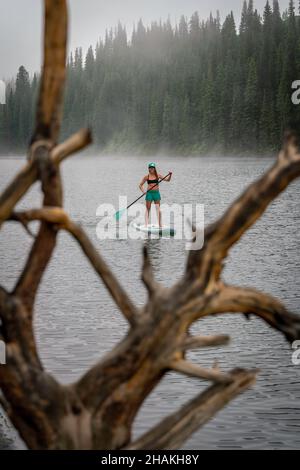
[(97, 412)]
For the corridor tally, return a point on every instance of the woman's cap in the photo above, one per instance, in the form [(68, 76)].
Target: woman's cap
[(151, 165)]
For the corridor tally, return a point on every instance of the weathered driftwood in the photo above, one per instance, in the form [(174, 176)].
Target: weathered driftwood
[(98, 410)]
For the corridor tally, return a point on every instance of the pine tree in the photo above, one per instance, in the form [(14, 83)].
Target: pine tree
[(183, 28), (89, 61), (229, 37), (243, 23), (78, 60), (195, 26), (250, 114), (22, 112)]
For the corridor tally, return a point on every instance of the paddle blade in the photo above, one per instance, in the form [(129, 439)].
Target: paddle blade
[(119, 214)]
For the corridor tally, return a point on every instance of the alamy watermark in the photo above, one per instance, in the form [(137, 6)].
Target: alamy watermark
[(296, 95), (177, 219), (2, 92)]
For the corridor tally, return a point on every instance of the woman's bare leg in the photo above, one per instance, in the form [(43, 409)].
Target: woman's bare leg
[(147, 213), (158, 212)]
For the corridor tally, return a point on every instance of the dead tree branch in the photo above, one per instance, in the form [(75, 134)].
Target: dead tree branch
[(194, 370), (74, 144), (174, 430), (49, 108), (195, 342)]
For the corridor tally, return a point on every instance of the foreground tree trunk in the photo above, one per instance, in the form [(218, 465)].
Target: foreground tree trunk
[(98, 411)]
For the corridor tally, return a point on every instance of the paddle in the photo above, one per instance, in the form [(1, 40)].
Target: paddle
[(119, 214)]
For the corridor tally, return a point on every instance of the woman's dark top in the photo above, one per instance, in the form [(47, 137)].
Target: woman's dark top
[(152, 181)]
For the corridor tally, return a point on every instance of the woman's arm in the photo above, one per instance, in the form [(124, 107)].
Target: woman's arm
[(141, 186), (167, 179)]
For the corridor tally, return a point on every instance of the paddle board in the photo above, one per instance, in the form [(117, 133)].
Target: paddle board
[(156, 230)]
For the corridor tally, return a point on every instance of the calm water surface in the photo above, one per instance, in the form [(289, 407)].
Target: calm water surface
[(77, 322)]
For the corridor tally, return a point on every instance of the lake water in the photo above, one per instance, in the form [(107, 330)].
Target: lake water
[(77, 322)]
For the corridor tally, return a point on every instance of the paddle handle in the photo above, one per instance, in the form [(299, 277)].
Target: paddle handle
[(159, 181)]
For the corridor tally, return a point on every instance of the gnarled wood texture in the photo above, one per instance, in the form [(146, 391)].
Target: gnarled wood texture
[(98, 410)]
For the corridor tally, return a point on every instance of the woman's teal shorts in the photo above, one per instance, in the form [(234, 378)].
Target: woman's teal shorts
[(153, 196)]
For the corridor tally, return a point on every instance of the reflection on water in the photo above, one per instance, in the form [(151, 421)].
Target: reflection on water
[(154, 247), (76, 321)]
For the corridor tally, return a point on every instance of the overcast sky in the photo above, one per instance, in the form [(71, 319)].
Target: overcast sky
[(20, 23)]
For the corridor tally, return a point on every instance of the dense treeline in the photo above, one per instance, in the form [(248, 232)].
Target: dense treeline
[(195, 87)]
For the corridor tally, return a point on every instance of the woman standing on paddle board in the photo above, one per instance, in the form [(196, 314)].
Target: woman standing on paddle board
[(152, 193)]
